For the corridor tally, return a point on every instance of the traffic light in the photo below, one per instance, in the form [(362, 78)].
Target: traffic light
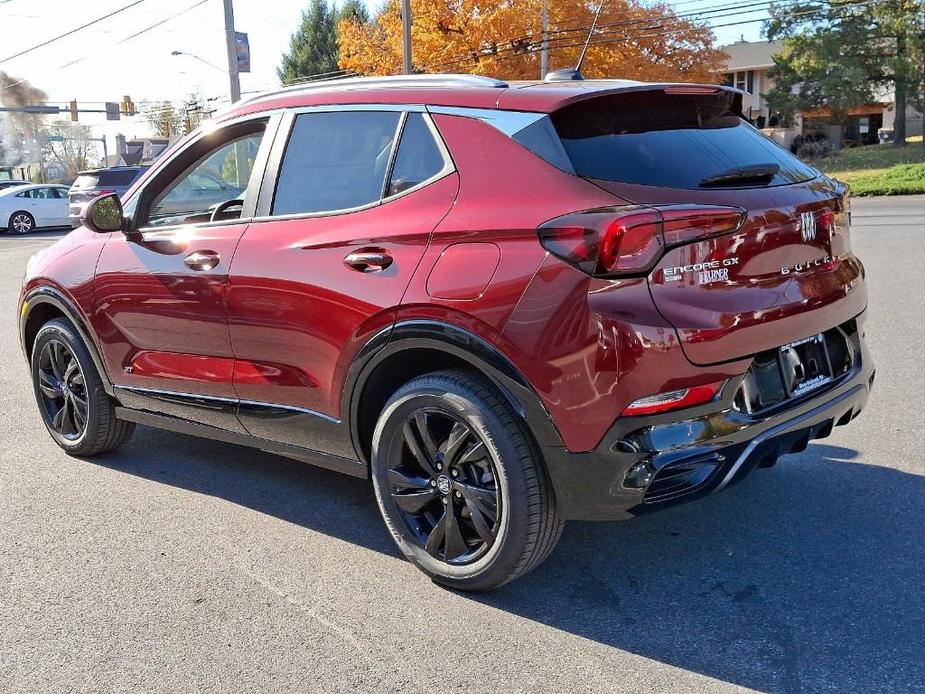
[(73, 108), (128, 106)]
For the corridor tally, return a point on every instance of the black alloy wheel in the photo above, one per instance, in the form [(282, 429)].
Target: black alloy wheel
[(445, 485), (63, 390), (69, 391), (460, 484)]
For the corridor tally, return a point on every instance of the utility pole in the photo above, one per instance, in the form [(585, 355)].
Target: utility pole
[(231, 46), (544, 39), (405, 35)]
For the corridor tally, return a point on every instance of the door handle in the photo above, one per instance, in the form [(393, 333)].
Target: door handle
[(369, 260), (202, 260)]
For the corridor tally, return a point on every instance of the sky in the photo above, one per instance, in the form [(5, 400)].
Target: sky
[(92, 65)]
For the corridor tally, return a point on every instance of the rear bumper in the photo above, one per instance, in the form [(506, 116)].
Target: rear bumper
[(648, 463)]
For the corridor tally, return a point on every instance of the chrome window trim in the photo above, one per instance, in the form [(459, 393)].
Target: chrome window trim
[(508, 122), (448, 164), (328, 108)]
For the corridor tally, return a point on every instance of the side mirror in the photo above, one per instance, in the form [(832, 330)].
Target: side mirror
[(103, 214)]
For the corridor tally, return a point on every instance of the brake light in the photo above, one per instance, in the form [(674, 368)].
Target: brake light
[(622, 241), (825, 220), (98, 193), (684, 224), (692, 89), (673, 400)]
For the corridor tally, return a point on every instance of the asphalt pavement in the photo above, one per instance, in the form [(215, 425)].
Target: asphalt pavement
[(184, 565)]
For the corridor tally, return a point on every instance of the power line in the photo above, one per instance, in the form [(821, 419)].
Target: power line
[(71, 31), (516, 51), (693, 15), (318, 77), (687, 19), (139, 33)]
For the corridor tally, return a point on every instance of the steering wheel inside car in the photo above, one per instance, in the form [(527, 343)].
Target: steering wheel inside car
[(224, 206)]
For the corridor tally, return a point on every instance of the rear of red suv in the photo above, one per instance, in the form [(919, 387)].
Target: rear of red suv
[(507, 305), (705, 323)]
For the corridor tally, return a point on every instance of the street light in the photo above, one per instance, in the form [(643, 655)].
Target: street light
[(193, 55)]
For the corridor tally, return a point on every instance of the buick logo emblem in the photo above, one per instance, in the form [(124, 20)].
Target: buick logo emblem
[(443, 484), (808, 226)]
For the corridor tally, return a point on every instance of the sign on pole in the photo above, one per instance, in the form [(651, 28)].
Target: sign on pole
[(243, 51), (112, 110)]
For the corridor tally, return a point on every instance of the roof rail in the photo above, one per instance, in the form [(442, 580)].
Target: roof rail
[(347, 83)]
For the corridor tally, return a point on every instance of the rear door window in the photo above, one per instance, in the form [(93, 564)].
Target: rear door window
[(674, 140), (335, 161), (418, 158)]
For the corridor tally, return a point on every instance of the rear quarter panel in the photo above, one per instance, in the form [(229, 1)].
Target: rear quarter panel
[(505, 193)]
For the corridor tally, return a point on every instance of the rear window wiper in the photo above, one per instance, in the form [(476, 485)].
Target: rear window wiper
[(756, 173)]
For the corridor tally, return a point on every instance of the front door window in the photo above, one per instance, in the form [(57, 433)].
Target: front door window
[(219, 176)]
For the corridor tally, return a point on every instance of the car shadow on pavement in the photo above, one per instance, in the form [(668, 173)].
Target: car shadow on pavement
[(805, 577)]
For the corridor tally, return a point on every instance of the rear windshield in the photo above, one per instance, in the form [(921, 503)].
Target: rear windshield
[(671, 140), (114, 178)]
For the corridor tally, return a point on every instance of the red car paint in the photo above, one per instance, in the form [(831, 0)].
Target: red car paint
[(281, 319)]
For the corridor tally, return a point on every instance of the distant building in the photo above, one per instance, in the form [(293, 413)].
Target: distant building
[(747, 69), (137, 151)]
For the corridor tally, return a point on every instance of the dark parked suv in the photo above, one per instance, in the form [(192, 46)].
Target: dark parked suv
[(509, 305), (98, 182)]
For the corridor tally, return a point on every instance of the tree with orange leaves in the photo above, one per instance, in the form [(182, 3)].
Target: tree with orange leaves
[(501, 38)]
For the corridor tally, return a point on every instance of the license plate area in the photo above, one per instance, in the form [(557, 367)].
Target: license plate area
[(778, 376), (805, 365)]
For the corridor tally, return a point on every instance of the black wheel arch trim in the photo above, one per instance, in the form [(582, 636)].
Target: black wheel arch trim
[(49, 295), (457, 342)]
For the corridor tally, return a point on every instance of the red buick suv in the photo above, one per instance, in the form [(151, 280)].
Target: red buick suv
[(508, 305)]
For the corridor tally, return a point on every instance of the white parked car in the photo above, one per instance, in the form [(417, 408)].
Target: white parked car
[(28, 207)]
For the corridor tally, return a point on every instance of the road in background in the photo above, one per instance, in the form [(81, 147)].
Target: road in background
[(179, 564)]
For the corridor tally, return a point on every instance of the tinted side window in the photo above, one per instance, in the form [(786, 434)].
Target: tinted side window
[(335, 161), (118, 177), (418, 156)]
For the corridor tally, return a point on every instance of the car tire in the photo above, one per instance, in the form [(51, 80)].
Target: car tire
[(74, 406), (21, 222), (460, 483)]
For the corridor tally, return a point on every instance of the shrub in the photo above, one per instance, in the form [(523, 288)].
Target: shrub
[(814, 149)]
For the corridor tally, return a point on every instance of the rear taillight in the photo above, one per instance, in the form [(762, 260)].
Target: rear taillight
[(621, 241), (825, 220), (842, 214), (673, 400), (98, 193)]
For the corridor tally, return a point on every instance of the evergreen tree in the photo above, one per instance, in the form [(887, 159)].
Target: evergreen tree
[(313, 48), (353, 11)]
